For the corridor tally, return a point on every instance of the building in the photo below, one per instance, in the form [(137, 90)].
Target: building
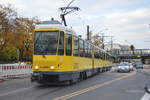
[(116, 48)]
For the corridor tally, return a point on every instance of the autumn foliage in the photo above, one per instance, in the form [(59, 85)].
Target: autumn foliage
[(97, 40), (16, 36)]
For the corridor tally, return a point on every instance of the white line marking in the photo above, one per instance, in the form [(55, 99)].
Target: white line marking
[(15, 91), (146, 97)]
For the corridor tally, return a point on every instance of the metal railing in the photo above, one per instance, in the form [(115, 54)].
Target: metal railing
[(14, 70), (136, 52)]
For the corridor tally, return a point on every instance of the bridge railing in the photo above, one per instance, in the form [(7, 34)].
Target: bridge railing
[(139, 52), (145, 51)]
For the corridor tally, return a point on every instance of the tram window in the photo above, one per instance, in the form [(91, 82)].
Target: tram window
[(86, 49), (95, 56), (106, 56), (46, 42), (109, 57), (96, 53), (99, 54), (112, 58), (90, 51), (61, 44), (81, 48), (76, 46), (103, 55), (68, 44)]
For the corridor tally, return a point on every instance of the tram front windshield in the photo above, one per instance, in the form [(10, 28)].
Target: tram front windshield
[(45, 42)]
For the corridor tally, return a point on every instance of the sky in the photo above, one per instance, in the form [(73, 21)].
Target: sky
[(126, 20)]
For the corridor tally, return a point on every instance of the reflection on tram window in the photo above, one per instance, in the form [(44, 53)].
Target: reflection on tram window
[(46, 42)]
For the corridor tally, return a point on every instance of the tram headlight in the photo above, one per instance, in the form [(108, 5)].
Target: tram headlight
[(36, 67), (52, 67)]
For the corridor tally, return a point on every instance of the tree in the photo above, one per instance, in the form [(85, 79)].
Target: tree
[(132, 49), (24, 34), (16, 33), (97, 40), (7, 15)]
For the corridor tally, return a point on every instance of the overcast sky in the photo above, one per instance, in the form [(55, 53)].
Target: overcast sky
[(127, 20)]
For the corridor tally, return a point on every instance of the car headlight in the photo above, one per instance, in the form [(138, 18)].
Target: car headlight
[(36, 67), (52, 67)]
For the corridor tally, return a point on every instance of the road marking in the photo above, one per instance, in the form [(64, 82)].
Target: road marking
[(82, 91), (146, 97), (15, 91)]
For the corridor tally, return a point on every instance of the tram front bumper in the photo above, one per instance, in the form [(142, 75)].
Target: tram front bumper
[(52, 76)]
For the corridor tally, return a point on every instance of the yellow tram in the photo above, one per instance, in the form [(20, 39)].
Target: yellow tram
[(61, 56)]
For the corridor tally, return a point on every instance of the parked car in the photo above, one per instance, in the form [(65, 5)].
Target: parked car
[(124, 67), (138, 65)]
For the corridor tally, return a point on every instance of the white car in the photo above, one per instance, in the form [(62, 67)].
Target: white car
[(124, 67)]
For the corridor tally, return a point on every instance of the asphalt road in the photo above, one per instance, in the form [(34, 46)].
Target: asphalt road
[(104, 86)]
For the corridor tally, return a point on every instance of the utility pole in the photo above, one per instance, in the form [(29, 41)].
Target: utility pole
[(102, 37), (103, 45), (88, 33), (103, 40), (111, 42), (18, 55)]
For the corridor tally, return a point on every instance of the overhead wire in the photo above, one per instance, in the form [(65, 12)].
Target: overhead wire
[(64, 2), (82, 21)]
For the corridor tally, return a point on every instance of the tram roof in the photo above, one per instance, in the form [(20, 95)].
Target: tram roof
[(56, 25)]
